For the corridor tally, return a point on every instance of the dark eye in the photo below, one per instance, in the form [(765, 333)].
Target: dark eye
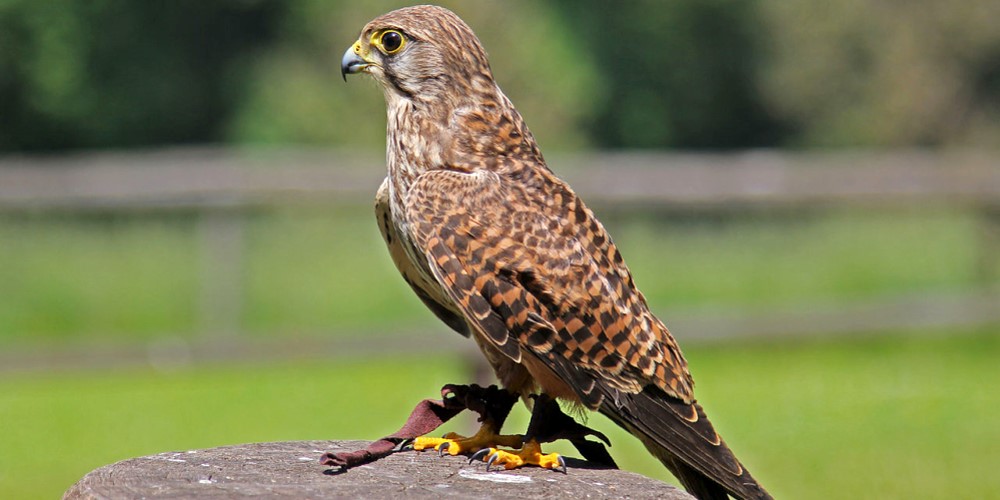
[(391, 41)]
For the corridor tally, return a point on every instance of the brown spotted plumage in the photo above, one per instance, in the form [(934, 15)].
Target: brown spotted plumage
[(505, 252)]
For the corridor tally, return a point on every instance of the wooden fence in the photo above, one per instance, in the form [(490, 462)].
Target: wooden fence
[(222, 184), (217, 178)]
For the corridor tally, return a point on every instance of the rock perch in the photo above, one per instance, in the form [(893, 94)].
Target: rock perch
[(292, 470)]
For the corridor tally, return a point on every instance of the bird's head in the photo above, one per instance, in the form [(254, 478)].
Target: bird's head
[(422, 52)]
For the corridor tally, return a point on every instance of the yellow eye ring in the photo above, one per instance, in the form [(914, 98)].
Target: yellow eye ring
[(389, 41)]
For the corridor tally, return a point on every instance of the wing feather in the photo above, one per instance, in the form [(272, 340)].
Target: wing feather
[(681, 436), (545, 278), (536, 275)]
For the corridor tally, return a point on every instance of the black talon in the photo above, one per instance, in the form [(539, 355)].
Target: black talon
[(406, 442), (442, 447), (493, 458), (479, 455), (562, 463)]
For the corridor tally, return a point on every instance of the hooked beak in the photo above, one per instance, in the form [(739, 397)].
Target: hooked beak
[(352, 61)]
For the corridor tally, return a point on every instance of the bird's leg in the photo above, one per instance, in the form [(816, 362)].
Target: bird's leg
[(492, 404), (549, 423)]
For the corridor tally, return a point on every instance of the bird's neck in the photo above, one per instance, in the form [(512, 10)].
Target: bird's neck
[(470, 133)]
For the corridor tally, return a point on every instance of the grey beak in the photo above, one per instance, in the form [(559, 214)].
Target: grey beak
[(351, 63)]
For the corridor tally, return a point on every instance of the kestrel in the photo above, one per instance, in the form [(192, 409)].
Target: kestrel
[(505, 252)]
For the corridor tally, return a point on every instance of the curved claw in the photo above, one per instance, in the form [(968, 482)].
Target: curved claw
[(492, 459), (562, 465), (443, 447), (479, 455), (408, 442)]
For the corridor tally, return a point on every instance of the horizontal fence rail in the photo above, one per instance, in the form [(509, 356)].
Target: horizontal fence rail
[(219, 184), (196, 178)]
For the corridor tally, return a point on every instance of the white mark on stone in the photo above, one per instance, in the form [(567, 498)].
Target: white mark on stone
[(494, 477), (205, 465), (191, 451), (176, 460), (306, 459), (205, 481)]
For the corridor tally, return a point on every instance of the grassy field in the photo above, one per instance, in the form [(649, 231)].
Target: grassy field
[(894, 417), (898, 416), (84, 278)]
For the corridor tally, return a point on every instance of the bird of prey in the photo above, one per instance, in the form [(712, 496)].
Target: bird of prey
[(504, 252)]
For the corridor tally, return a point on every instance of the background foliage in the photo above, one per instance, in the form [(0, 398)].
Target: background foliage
[(901, 415), (637, 74)]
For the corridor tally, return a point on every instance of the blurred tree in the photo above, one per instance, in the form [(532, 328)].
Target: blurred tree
[(118, 73), (586, 73), (680, 74), (296, 96), (857, 73)]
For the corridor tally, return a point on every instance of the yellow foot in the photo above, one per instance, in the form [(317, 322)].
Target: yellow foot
[(454, 444), (529, 454)]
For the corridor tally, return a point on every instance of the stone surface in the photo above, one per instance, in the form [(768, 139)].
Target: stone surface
[(292, 470)]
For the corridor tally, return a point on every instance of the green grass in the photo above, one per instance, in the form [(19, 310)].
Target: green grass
[(893, 417), (896, 417), (82, 278), (838, 255), (57, 427), (899, 417), (85, 276), (310, 271)]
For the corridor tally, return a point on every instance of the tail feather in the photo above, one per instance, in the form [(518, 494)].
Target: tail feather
[(680, 436)]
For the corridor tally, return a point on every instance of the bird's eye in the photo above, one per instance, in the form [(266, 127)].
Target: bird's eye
[(391, 41)]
